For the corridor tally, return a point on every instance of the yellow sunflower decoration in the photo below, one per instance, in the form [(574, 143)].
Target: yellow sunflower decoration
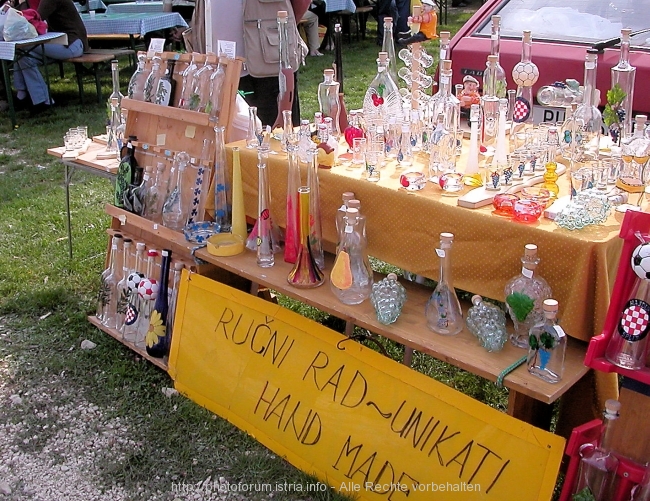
[(156, 329)]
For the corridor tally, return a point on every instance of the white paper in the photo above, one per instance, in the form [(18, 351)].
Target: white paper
[(440, 252), (227, 47), (527, 273), (560, 331), (155, 46)]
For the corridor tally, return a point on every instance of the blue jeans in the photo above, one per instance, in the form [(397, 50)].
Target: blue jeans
[(27, 76)]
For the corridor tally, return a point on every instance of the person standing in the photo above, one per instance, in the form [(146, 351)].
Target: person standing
[(61, 16), (310, 22)]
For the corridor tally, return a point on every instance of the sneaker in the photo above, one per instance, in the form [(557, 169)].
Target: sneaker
[(316, 53)]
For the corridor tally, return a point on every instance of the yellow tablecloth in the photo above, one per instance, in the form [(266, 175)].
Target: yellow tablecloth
[(403, 229)]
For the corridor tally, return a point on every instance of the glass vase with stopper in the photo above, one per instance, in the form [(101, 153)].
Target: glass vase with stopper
[(525, 73), (587, 117), (598, 464), (525, 295), (108, 282), (388, 46), (158, 335), (547, 345), (382, 99), (501, 84), (623, 76), (328, 100), (628, 346), (187, 77), (351, 277), (443, 312), (153, 79), (135, 89)]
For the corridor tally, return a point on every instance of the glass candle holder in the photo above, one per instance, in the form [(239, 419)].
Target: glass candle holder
[(413, 181), (359, 151), (528, 211), (451, 182), (504, 204), (539, 195)]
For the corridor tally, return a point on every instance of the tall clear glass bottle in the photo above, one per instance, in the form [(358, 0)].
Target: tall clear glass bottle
[(328, 100), (287, 128), (110, 316), (443, 312), (147, 297), (135, 90), (134, 308), (123, 292), (142, 191), (352, 277), (623, 75), (501, 84), (174, 214), (108, 281), (588, 119), (158, 335), (113, 144), (490, 103), (471, 169), (445, 103), (525, 74), (115, 75), (173, 294), (628, 345), (547, 346), (382, 99), (598, 464), (124, 177), (254, 134), (315, 227), (444, 45), (388, 46), (340, 216), (200, 96), (264, 224), (405, 152), (291, 236), (222, 204), (155, 196), (188, 76), (151, 84), (285, 77), (166, 86), (213, 108), (525, 295)]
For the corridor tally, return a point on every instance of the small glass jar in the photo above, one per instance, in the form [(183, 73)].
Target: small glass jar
[(528, 211), (413, 181), (504, 204), (451, 183)]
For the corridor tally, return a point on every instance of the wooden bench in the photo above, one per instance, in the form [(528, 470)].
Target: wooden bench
[(90, 64)]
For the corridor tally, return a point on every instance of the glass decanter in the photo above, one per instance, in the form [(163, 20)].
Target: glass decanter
[(130, 331), (525, 295), (115, 76), (490, 104), (108, 281), (388, 297), (445, 103), (200, 96), (217, 79), (628, 345), (388, 46), (382, 99), (623, 76), (135, 90), (351, 277), (151, 84), (587, 117), (174, 214), (166, 86), (222, 196), (525, 73), (488, 323), (598, 464), (155, 196), (443, 312), (442, 152), (501, 84), (328, 100), (635, 153), (187, 77), (547, 345)]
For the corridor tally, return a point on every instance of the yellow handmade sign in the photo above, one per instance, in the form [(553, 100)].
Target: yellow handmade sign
[(362, 423)]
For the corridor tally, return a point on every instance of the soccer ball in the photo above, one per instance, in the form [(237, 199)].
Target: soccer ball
[(148, 289), (641, 261), (525, 74), (133, 280)]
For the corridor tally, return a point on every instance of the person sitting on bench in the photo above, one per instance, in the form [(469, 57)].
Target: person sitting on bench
[(61, 16)]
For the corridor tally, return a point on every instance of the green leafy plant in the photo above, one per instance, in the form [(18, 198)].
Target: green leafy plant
[(520, 304), (584, 495), (612, 114)]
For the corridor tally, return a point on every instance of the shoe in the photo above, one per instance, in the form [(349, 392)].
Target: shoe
[(40, 109), (316, 53), (21, 104)]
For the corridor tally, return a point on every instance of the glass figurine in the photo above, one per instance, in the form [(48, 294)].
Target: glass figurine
[(488, 323), (388, 297), (547, 345)]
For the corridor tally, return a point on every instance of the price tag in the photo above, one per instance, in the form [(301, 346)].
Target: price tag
[(190, 131), (443, 54), (527, 273), (227, 48), (494, 36), (560, 331), (440, 252), (160, 139), (156, 45), (444, 80), (589, 65)]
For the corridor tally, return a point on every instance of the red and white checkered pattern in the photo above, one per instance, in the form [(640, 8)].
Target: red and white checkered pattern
[(131, 315), (634, 320), (521, 111)]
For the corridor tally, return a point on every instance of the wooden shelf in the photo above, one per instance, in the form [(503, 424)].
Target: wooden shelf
[(187, 116), (158, 362), (89, 158), (462, 350)]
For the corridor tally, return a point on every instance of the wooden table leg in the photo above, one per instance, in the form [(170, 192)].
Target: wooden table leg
[(408, 356), (528, 409)]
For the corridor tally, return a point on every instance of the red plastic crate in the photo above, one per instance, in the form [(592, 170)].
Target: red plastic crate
[(632, 223)]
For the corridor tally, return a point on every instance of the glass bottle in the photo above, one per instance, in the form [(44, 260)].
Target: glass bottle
[(200, 174), (488, 323), (187, 78), (166, 86), (501, 84), (525, 74), (388, 297), (550, 176), (325, 154), (627, 347), (598, 464), (635, 153), (141, 192), (124, 177), (151, 84), (623, 75), (173, 295), (328, 100), (113, 145), (287, 129), (264, 224), (305, 272), (292, 239), (405, 152), (200, 96), (148, 292), (123, 292), (445, 103), (361, 217), (340, 215), (158, 335), (441, 150), (382, 99), (388, 46), (351, 277), (304, 141), (173, 212), (471, 169), (332, 140), (213, 108), (315, 227), (238, 213), (547, 345), (155, 196), (134, 308), (222, 204), (111, 314), (135, 90), (444, 45), (286, 77), (115, 75), (490, 104), (443, 312), (108, 281), (525, 295), (587, 116), (501, 150), (353, 129), (254, 134)]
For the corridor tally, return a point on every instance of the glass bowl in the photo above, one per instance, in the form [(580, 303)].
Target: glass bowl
[(504, 204), (528, 211), (540, 195)]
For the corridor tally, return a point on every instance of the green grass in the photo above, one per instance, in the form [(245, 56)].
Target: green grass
[(178, 440)]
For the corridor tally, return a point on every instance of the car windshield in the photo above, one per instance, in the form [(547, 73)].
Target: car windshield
[(585, 21)]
